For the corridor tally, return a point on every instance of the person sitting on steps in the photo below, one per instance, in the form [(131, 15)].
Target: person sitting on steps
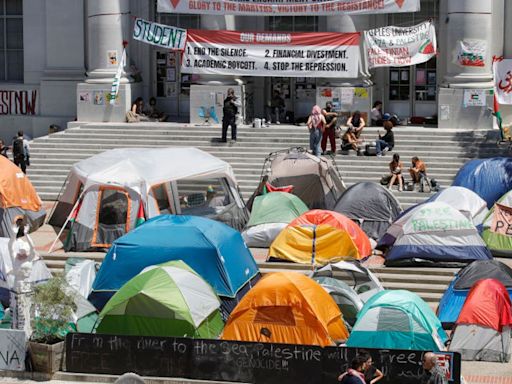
[(357, 122), (396, 166), (387, 142), (350, 141), (376, 114), (418, 171)]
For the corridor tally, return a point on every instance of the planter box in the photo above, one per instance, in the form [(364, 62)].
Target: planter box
[(46, 358)]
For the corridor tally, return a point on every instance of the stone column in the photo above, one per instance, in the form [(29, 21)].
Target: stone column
[(108, 25), (473, 22)]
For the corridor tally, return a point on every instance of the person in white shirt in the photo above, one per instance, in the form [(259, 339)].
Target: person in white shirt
[(376, 114)]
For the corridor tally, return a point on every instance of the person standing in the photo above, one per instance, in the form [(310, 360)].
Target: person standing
[(386, 142), (230, 111), (3, 149), (21, 152), (371, 373), (432, 372), (277, 106), (331, 118), (316, 125), (355, 374)]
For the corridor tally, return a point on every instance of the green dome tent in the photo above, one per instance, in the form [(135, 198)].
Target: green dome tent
[(496, 233), (169, 299), (270, 213)]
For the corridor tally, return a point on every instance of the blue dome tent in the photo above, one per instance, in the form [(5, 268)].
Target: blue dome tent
[(489, 178), (212, 249)]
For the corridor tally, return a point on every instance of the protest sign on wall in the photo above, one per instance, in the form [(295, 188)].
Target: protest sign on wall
[(474, 98), (322, 54), (288, 7), (471, 53), (503, 81), (400, 46), (159, 34), (18, 102)]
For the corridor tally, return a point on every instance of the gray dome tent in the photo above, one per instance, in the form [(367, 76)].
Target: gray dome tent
[(370, 205), (315, 180)]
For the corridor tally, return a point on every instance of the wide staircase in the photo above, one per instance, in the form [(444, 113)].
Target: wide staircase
[(444, 152)]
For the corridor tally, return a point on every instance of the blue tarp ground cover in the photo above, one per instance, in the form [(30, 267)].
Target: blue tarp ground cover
[(214, 250), (489, 178)]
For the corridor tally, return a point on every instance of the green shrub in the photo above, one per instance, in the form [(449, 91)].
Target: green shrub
[(53, 308)]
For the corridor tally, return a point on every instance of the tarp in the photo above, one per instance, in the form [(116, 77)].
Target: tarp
[(455, 295), (167, 300), (435, 234), (293, 308), (489, 178), (271, 213), (497, 227), (370, 205), (212, 249), (397, 320)]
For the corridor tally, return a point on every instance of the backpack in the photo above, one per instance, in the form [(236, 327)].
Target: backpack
[(18, 149), (230, 109)]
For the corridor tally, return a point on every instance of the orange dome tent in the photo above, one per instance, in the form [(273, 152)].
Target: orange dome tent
[(320, 237), (286, 307), (18, 198)]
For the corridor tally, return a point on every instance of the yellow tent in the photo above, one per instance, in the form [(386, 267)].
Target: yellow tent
[(286, 307), (313, 244)]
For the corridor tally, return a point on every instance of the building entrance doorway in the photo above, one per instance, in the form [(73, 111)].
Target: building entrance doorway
[(298, 93)]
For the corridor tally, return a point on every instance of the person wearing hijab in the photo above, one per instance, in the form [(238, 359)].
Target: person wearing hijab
[(316, 125)]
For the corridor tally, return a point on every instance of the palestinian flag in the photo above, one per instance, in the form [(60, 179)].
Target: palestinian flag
[(427, 48), (497, 114), (72, 220), (141, 218)]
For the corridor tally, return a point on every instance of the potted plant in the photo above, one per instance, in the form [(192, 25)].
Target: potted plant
[(52, 312)]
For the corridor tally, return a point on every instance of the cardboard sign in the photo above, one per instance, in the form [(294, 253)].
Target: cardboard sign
[(503, 81), (279, 54), (158, 34), (288, 7), (12, 350), (502, 220), (399, 46)]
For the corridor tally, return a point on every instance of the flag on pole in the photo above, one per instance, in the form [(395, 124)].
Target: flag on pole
[(497, 112), (72, 219), (141, 218), (117, 79)]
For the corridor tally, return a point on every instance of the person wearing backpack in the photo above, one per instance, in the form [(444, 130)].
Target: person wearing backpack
[(21, 152), (230, 111)]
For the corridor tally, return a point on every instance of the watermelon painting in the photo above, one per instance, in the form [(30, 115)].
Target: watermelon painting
[(427, 48)]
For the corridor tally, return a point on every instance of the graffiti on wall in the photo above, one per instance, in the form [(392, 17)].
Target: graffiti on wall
[(18, 102)]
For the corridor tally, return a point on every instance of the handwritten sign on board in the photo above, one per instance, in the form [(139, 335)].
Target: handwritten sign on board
[(12, 350), (220, 360)]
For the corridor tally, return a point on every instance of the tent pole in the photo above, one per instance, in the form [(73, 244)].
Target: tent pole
[(65, 223)]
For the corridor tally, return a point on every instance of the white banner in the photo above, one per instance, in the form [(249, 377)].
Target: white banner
[(322, 54), (288, 7), (503, 81), (114, 90), (159, 34), (400, 46)]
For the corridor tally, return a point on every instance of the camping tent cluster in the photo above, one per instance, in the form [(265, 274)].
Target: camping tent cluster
[(179, 265)]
